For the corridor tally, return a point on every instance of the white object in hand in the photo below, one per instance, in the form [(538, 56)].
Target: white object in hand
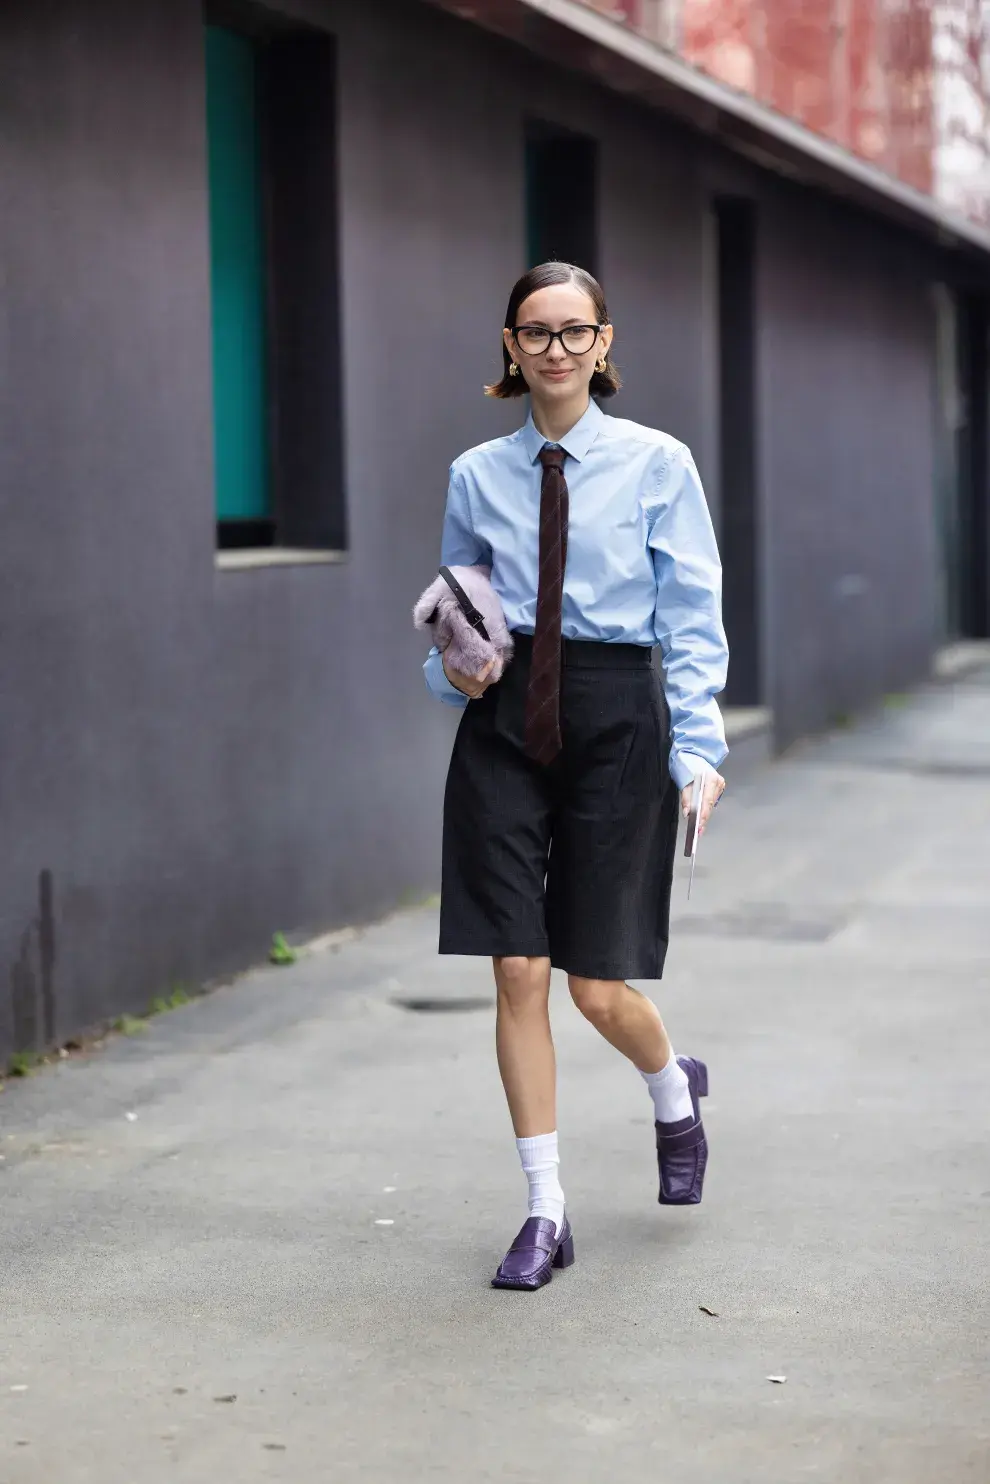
[(694, 823)]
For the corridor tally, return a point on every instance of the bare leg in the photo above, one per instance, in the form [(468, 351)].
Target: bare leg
[(626, 1018), (632, 1024), (524, 1044)]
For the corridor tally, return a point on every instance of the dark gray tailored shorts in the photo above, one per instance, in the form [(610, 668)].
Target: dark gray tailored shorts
[(574, 861)]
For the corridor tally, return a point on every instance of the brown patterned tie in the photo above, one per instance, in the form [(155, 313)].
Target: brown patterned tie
[(542, 736)]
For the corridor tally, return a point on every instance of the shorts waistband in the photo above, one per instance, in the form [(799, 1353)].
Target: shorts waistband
[(593, 654)]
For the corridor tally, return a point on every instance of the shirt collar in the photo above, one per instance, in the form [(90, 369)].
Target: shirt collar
[(576, 443)]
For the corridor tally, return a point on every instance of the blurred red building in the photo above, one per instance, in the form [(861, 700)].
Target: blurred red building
[(903, 84)]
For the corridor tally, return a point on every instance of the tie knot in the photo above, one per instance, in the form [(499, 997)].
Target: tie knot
[(552, 458)]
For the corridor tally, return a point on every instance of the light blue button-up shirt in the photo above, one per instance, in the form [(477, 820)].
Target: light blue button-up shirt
[(642, 563)]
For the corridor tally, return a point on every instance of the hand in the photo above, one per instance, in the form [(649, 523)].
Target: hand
[(714, 789), (471, 686)]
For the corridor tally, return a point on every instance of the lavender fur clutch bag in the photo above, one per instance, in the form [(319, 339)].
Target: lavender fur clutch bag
[(464, 614)]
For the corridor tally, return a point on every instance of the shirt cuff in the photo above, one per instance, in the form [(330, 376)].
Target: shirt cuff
[(685, 767), (438, 684)]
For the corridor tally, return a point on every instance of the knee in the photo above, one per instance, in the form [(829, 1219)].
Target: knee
[(595, 998), (521, 981)]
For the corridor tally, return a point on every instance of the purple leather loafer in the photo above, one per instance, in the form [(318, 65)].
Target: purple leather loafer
[(682, 1149), (537, 1250)]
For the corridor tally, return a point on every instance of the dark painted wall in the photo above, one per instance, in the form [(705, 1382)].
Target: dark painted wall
[(847, 461), (198, 757)]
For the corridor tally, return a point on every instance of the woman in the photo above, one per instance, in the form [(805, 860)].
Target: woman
[(560, 819)]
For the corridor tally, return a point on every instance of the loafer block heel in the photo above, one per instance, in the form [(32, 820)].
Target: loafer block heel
[(564, 1256)]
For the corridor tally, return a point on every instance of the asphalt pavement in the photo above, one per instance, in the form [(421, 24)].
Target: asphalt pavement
[(254, 1241)]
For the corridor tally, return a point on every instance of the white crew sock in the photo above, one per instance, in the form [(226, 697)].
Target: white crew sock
[(670, 1091), (540, 1161)]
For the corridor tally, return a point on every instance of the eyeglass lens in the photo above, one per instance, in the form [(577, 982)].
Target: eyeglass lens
[(533, 340)]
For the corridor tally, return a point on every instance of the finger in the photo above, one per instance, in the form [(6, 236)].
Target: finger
[(484, 674), (711, 794), (713, 797)]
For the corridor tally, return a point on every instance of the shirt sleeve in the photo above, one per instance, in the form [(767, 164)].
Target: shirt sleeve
[(689, 618), (459, 547), (437, 683), (691, 767)]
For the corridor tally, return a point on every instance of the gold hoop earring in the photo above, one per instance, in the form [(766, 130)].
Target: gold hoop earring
[(514, 368), (602, 365)]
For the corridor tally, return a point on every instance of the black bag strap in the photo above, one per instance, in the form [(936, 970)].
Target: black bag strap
[(470, 612)]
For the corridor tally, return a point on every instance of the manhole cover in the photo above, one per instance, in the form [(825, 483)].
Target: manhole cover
[(769, 922), (445, 1004)]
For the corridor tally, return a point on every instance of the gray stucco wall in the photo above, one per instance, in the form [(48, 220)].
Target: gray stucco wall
[(198, 757), (847, 461)]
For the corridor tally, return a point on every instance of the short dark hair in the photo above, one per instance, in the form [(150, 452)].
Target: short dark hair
[(603, 383)]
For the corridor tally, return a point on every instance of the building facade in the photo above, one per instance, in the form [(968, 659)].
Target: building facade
[(253, 268)]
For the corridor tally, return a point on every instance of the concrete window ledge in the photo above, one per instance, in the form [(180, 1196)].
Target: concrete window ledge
[(749, 733), (742, 722), (960, 659), (248, 559)]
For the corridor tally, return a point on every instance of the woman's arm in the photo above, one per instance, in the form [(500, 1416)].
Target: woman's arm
[(689, 618), (459, 547)]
